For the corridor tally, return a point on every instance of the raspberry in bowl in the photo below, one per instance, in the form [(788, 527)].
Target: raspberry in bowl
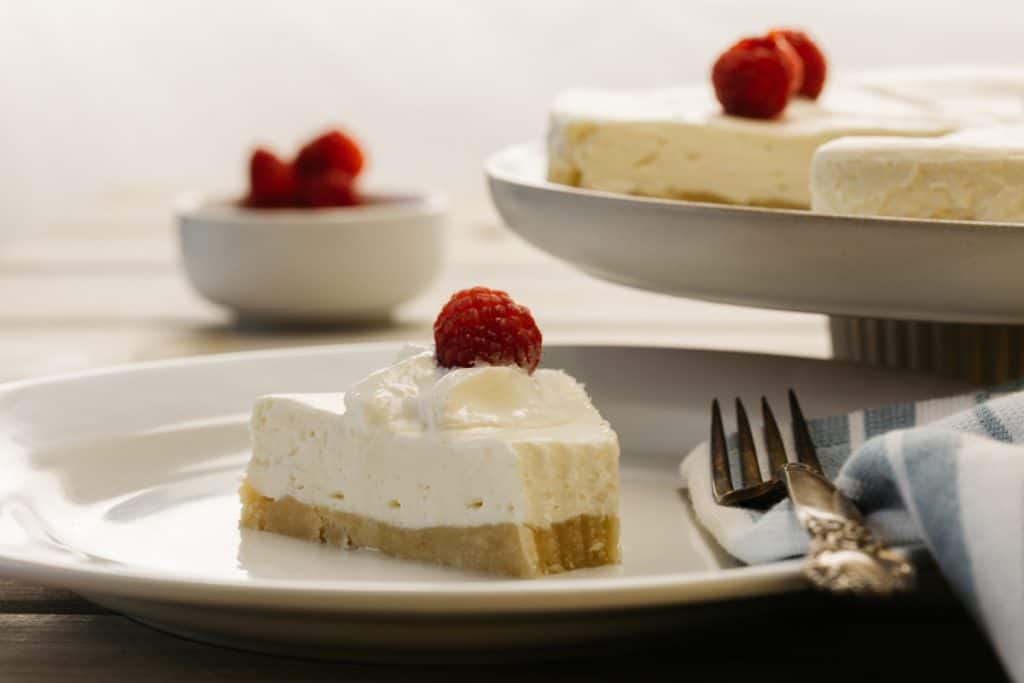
[(323, 174), (307, 244)]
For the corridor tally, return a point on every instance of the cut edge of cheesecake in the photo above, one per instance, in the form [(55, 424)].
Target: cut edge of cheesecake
[(519, 550)]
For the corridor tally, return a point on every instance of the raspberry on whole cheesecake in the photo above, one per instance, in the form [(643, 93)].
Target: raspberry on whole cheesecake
[(272, 182), (755, 77), (794, 64), (482, 325), (815, 66), (790, 57)]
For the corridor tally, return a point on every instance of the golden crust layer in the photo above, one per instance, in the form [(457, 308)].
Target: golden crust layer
[(510, 549)]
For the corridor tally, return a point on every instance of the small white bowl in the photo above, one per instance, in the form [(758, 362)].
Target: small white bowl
[(335, 265)]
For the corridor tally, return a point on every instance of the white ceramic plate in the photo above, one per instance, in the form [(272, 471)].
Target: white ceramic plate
[(770, 258), (120, 485)]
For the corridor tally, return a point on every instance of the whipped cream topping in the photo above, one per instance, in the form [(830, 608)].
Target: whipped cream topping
[(417, 446), (416, 395)]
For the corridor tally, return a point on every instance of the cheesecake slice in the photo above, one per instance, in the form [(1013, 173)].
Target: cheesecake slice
[(977, 174), (489, 468), (677, 143)]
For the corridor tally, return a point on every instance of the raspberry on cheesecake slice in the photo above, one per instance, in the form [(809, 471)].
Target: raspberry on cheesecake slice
[(466, 455)]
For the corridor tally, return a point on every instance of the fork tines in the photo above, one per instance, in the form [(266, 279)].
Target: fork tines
[(805, 451), (756, 490)]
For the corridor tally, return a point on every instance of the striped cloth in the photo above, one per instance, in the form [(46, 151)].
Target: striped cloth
[(948, 473)]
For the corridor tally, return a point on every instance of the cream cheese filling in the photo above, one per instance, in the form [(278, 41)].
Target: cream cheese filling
[(977, 174), (677, 143), (415, 446)]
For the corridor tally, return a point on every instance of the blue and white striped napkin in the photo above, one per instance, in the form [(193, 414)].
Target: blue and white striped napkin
[(947, 472)]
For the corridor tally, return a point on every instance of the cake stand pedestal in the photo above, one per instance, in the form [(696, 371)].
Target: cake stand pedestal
[(981, 354)]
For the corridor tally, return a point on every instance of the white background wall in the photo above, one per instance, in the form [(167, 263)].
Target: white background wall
[(109, 109)]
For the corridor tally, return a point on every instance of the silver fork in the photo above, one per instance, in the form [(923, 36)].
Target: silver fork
[(844, 555)]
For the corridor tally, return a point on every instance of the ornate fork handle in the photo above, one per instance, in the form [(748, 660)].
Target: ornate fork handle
[(844, 556)]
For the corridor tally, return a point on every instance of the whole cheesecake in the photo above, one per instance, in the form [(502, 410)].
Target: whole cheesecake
[(677, 143), (490, 468)]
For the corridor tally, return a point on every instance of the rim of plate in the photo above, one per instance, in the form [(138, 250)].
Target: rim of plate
[(457, 597), (498, 167), (449, 597)]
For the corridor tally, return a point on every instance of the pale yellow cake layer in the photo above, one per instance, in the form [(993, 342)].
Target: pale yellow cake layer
[(510, 549), (675, 161), (676, 143)]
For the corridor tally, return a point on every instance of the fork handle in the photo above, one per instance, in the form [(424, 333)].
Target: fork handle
[(844, 556)]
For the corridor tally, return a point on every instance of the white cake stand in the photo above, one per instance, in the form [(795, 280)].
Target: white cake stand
[(937, 296)]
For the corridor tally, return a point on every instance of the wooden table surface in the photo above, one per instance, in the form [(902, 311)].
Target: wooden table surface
[(92, 296)]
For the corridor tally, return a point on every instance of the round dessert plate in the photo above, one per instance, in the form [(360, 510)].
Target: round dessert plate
[(771, 258), (121, 485)]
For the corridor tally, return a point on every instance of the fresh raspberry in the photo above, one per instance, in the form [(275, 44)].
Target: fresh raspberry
[(331, 151), (754, 78), (791, 58), (272, 182), (815, 67), (486, 325), (331, 188)]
